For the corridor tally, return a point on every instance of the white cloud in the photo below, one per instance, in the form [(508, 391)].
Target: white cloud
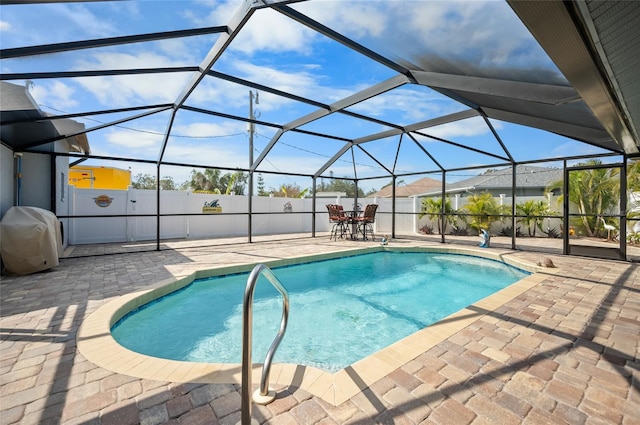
[(486, 32), (216, 94), (294, 164), (465, 128), (206, 129), (408, 103), (5, 26), (469, 33), (179, 50), (269, 31), (72, 22), (220, 14), (79, 17), (212, 154), (266, 30), (55, 95), (301, 83), (136, 59), (116, 91), (360, 19), (134, 141), (573, 148)]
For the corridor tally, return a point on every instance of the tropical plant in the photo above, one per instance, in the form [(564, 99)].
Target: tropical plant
[(508, 231), (594, 192), (432, 208), (234, 182), (633, 238), (633, 176), (633, 189), (289, 191), (459, 230), (533, 214), (482, 210), (426, 229)]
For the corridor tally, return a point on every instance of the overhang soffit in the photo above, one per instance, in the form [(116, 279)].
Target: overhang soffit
[(532, 92)]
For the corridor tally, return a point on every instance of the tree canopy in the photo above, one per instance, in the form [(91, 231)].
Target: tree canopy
[(290, 190), (147, 181), (340, 185), (212, 180)]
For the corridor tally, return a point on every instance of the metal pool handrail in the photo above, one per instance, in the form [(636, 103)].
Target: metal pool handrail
[(261, 395)]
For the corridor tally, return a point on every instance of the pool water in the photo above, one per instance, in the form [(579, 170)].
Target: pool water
[(341, 310)]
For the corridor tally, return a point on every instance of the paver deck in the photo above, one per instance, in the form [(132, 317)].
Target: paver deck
[(563, 351)]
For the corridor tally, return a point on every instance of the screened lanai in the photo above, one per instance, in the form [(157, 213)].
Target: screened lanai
[(305, 93)]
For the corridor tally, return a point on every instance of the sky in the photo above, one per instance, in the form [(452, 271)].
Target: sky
[(477, 38)]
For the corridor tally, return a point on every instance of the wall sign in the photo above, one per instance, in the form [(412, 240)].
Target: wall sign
[(102, 201), (212, 207)]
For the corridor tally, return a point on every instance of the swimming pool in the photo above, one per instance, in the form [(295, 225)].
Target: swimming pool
[(387, 295)]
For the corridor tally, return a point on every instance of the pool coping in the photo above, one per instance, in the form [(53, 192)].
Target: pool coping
[(95, 343)]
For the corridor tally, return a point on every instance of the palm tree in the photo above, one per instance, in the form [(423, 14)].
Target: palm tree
[(633, 189), (483, 209), (432, 208), (533, 212), (594, 192), (633, 176)]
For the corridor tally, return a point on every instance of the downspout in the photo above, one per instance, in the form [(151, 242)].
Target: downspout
[(18, 165), (54, 177)]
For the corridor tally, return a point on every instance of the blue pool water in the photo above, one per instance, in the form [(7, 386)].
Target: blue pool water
[(342, 310)]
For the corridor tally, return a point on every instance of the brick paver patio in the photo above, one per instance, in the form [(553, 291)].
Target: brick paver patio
[(565, 351)]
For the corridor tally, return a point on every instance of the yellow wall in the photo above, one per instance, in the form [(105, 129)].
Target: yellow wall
[(90, 177)]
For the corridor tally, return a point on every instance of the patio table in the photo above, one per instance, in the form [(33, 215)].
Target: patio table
[(353, 220)]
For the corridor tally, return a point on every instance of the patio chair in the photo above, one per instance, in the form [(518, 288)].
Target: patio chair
[(339, 220), (366, 221)]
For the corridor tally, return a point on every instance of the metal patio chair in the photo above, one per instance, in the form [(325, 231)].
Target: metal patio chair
[(366, 221), (339, 219)]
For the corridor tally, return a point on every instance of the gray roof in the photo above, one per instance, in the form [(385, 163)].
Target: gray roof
[(23, 123), (527, 177)]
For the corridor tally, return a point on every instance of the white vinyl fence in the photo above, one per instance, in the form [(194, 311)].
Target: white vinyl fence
[(269, 216)]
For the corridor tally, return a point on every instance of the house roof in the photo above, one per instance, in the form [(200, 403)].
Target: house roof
[(23, 121), (425, 184), (527, 177)]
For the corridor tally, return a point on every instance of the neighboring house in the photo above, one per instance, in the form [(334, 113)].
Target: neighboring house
[(39, 177), (99, 177), (336, 195), (530, 182), (412, 189)]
